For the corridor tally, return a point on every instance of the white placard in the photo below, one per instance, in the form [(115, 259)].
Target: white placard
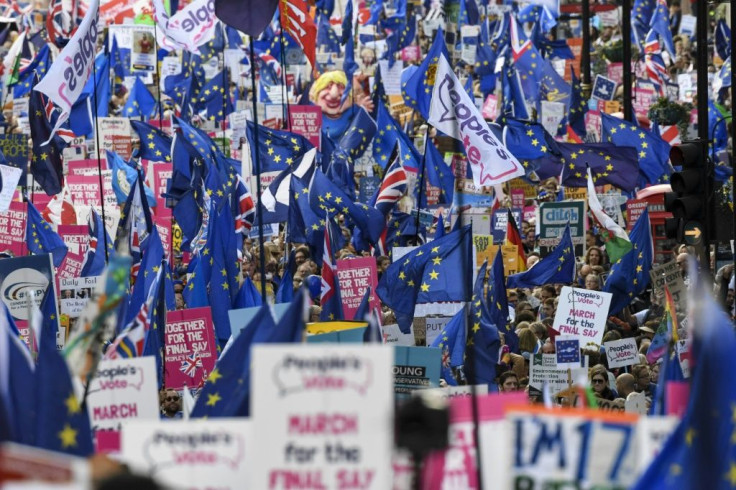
[(651, 434), (449, 392), (434, 327), (391, 77), (621, 353), (392, 334), (582, 314), (552, 115), (10, 176), (543, 368), (323, 414), (122, 390), (192, 454)]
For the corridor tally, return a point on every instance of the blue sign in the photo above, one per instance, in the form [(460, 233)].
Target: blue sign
[(568, 351), (499, 223), (350, 336), (368, 187), (604, 88), (415, 368)]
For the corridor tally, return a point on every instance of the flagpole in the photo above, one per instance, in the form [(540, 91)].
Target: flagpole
[(285, 109), (257, 162), (421, 180), (158, 78), (97, 147)]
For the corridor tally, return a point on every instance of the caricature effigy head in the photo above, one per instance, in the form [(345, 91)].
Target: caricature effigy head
[(327, 91)]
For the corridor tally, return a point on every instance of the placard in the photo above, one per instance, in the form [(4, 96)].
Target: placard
[(567, 351), (416, 368), (307, 121), (582, 314), (10, 178), (355, 276), (499, 223), (634, 209), (14, 148), (543, 369), (123, 390), (603, 88), (197, 455), (553, 217), (391, 78), (671, 275), (571, 448), (434, 326), (621, 353), (13, 229), (191, 350), (74, 293), (322, 414)]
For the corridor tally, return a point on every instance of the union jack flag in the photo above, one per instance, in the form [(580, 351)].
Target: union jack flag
[(519, 45), (130, 341), (269, 68), (63, 19), (246, 209), (191, 363), (392, 188), (329, 301)]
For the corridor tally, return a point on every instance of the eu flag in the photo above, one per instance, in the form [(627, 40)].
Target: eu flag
[(155, 145), (327, 41), (195, 293), (41, 238), (213, 100), (278, 150), (452, 341), (417, 91), (498, 304), (701, 452), (387, 135), (428, 274), (652, 151), (629, 276), (484, 341), (140, 102), (248, 295), (46, 165), (95, 257), (40, 65), (609, 164), (557, 267)]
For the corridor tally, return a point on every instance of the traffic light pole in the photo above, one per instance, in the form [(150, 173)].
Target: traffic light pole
[(703, 88)]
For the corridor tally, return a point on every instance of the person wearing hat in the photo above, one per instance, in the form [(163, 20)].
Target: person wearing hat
[(647, 331)]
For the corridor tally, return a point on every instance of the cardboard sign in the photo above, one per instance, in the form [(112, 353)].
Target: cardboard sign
[(307, 121), (202, 454), (621, 353), (13, 229), (434, 326), (582, 314), (603, 88), (566, 448), (191, 350), (76, 237), (75, 293), (634, 209), (567, 351), (14, 148), (671, 275), (553, 217), (11, 177), (322, 414), (543, 369), (499, 223), (122, 390), (416, 368)]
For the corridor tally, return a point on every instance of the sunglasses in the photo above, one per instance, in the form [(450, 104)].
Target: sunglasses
[(172, 398), (598, 381)]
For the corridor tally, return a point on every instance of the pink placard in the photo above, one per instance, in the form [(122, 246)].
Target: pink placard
[(70, 268), (355, 276), (411, 53), (86, 167), (634, 209), (677, 396), (84, 190), (490, 107), (107, 441), (13, 229), (189, 331), (160, 174), (163, 225), (615, 71), (517, 198), (76, 237), (307, 121), (644, 98)]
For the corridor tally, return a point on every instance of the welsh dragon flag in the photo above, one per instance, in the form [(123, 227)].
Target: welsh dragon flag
[(616, 239)]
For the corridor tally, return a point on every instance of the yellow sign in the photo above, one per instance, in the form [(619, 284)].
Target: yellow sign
[(530, 191), (485, 249), (576, 193), (611, 106), (176, 235), (317, 328)]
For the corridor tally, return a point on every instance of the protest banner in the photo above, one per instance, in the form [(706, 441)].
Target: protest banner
[(13, 229), (161, 172), (307, 121), (552, 114), (191, 350), (499, 223), (322, 416), (651, 434), (571, 447), (115, 136), (490, 107), (603, 88), (567, 351), (582, 314), (393, 335), (543, 369), (10, 178), (197, 455), (75, 293), (621, 353), (645, 95), (84, 190), (163, 226), (415, 368), (615, 72), (143, 52), (355, 276), (123, 390), (669, 274), (75, 237), (70, 268), (634, 209), (433, 327), (553, 217)]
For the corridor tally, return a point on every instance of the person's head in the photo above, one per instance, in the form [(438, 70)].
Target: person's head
[(512, 296), (532, 259), (170, 402), (682, 262), (527, 340), (598, 378), (508, 382), (548, 292), (179, 299), (301, 255), (592, 282), (641, 376), (326, 92), (594, 256), (548, 308), (382, 264), (625, 384), (540, 331), (590, 240)]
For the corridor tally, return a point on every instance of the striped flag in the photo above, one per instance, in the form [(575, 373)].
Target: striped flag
[(393, 187), (296, 20), (618, 242)]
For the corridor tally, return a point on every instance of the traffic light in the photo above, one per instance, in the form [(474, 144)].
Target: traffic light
[(687, 201)]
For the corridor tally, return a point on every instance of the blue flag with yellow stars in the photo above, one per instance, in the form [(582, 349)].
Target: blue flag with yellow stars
[(248, 295), (140, 101), (433, 272), (153, 254), (303, 225), (484, 342), (401, 230), (701, 452), (154, 342), (629, 276), (326, 198), (609, 164), (578, 106), (652, 151), (417, 90), (155, 145), (327, 41), (278, 150), (435, 173), (359, 134), (451, 341), (213, 101), (556, 268), (62, 422), (378, 95), (46, 164), (528, 141), (40, 65), (387, 135), (41, 238)]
